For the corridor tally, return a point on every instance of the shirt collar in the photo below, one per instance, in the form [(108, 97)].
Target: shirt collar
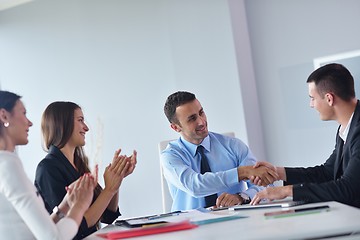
[(344, 131), (193, 147)]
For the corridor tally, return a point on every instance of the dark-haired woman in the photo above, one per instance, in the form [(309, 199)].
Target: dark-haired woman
[(22, 211), (63, 128)]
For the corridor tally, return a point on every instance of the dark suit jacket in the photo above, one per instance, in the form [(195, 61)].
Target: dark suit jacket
[(338, 179), (53, 174)]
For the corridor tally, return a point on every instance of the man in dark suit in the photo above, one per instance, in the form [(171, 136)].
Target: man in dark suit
[(332, 94)]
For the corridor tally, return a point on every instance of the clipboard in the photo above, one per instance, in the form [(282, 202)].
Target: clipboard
[(146, 220), (137, 223)]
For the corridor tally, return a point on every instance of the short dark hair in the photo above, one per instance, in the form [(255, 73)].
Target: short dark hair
[(334, 78), (173, 101)]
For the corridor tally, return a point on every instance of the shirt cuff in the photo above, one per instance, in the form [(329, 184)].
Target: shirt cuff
[(232, 176), (250, 192)]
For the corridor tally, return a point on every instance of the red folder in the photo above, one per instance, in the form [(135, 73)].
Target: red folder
[(166, 227)]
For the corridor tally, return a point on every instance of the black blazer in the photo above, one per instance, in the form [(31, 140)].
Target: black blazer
[(338, 179), (53, 174)]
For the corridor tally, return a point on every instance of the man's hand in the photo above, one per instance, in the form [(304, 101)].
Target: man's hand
[(280, 171), (265, 174), (272, 193), (227, 199), (256, 179)]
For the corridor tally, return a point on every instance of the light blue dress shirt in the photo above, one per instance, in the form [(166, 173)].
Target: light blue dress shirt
[(188, 187)]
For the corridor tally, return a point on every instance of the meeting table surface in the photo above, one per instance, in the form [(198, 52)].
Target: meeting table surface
[(332, 220)]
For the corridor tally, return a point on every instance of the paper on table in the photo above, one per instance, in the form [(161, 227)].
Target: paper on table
[(283, 203), (197, 216), (216, 220)]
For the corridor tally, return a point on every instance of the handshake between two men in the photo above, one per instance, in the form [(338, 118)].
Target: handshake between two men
[(262, 174)]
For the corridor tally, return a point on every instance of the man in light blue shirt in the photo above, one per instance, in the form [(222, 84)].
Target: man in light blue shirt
[(230, 160)]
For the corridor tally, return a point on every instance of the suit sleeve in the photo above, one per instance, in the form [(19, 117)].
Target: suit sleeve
[(319, 183), (109, 216), (51, 183)]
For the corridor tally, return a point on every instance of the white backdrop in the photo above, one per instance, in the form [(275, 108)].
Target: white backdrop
[(119, 61)]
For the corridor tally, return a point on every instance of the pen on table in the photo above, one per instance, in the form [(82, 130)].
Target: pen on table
[(311, 208), (164, 215), (297, 211)]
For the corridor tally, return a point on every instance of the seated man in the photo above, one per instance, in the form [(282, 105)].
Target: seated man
[(332, 94), (213, 174)]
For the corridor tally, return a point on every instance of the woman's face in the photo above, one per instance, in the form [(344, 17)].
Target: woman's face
[(80, 128), (19, 125)]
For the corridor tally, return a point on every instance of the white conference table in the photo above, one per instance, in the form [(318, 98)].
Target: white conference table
[(338, 223)]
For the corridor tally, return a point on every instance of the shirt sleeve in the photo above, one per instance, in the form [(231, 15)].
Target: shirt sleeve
[(21, 193), (245, 157), (178, 171), (179, 168)]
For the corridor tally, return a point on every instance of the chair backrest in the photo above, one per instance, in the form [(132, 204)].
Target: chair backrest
[(165, 193)]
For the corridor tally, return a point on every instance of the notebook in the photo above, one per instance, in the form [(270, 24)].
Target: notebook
[(284, 203), (143, 231)]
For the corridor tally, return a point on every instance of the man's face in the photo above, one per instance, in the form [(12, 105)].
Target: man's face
[(192, 122), (322, 104)]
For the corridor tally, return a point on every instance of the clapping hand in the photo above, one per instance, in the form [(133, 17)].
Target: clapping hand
[(78, 198), (132, 161), (80, 193), (116, 171)]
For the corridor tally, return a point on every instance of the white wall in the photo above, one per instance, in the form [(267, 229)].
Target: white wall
[(286, 35), (120, 60)]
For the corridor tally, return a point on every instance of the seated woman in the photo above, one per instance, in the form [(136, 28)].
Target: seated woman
[(64, 130), (22, 211)]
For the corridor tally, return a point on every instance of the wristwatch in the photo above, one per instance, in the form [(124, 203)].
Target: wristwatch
[(58, 213), (245, 197)]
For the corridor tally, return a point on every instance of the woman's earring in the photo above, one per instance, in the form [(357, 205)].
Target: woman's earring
[(6, 124)]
